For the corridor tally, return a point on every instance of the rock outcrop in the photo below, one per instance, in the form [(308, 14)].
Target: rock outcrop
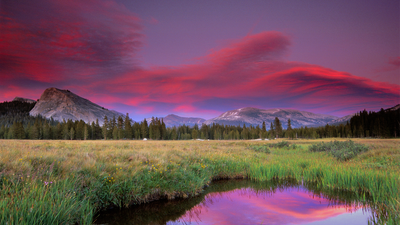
[(63, 105)]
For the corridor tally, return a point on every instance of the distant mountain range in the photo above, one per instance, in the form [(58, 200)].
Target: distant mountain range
[(341, 120), (63, 104), (174, 120), (27, 100), (254, 116)]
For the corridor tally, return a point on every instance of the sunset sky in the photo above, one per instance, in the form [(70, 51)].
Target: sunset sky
[(202, 58)]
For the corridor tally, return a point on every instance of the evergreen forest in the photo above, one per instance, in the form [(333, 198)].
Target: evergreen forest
[(16, 123)]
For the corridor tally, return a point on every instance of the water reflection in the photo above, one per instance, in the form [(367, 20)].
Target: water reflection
[(246, 202)]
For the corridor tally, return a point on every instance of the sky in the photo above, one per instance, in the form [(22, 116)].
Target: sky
[(202, 58)]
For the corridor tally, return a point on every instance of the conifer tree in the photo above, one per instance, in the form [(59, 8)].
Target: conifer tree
[(278, 127), (105, 127), (271, 132), (194, 134), (163, 130), (263, 131), (85, 132), (144, 129), (72, 133), (128, 127), (115, 133), (65, 132), (120, 125)]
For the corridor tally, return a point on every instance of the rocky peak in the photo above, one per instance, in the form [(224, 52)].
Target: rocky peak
[(63, 105)]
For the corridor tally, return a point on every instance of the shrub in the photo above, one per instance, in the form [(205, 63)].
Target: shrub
[(342, 150), (261, 148), (281, 144)]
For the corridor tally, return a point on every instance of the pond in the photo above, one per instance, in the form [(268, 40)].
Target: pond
[(248, 202)]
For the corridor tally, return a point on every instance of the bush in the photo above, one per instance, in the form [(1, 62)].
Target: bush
[(281, 144), (344, 150), (261, 148), (284, 144)]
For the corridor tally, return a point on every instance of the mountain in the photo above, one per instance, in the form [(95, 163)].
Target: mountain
[(174, 120), (341, 120), (27, 100), (63, 104), (254, 116), (396, 107)]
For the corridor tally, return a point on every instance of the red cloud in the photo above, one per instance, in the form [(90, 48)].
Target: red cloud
[(252, 48), (251, 76), (66, 40), (89, 47)]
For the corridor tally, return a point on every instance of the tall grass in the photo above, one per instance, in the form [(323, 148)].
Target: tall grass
[(88, 176)]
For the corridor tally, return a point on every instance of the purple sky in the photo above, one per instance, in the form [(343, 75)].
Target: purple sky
[(201, 58)]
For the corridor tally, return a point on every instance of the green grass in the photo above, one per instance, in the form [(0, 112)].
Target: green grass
[(88, 176)]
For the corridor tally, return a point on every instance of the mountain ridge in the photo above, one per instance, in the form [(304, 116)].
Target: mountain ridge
[(174, 120), (254, 116), (27, 100)]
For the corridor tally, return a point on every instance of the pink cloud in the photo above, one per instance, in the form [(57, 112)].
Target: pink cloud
[(91, 47), (85, 39), (395, 61), (184, 108), (153, 20), (256, 74)]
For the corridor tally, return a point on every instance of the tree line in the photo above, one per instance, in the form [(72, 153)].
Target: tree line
[(364, 124)]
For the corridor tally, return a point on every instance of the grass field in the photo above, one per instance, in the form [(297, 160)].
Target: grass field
[(67, 182)]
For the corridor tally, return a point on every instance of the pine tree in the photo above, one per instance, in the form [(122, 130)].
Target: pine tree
[(46, 131), (79, 131), (98, 134), (289, 126), (271, 132), (278, 127), (72, 133), (174, 135), (263, 131), (144, 129), (120, 125), (128, 128), (65, 132), (115, 133), (85, 132), (289, 130), (164, 130), (105, 127), (194, 134)]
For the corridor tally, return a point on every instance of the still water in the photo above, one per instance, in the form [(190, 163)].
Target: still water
[(247, 202)]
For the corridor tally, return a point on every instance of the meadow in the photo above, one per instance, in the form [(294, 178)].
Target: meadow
[(69, 182)]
